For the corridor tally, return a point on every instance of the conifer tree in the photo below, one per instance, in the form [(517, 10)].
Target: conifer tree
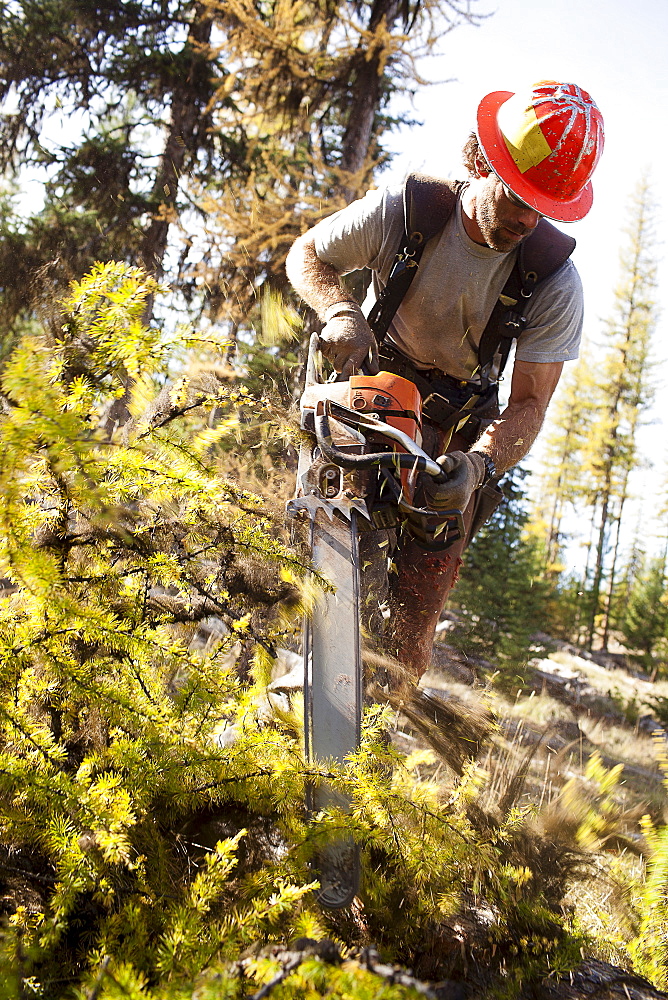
[(624, 393), (113, 103), (644, 621), (132, 110), (592, 450), (562, 483), (501, 593), (316, 101)]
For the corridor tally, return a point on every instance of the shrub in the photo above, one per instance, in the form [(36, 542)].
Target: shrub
[(140, 856)]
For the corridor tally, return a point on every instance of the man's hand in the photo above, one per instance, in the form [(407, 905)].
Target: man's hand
[(466, 472), (347, 339)]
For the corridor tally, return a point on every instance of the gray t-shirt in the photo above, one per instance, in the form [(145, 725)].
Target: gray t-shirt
[(441, 319)]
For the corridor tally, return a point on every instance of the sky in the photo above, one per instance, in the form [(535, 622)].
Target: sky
[(618, 52)]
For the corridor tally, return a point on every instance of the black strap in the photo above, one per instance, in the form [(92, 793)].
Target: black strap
[(540, 256), (505, 324), (428, 204)]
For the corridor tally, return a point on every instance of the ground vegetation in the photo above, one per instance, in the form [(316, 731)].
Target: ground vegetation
[(154, 837)]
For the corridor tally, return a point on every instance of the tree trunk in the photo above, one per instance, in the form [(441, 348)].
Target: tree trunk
[(598, 572), (185, 111), (605, 636), (579, 626), (364, 106)]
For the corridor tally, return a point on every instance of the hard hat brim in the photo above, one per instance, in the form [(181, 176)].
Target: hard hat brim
[(496, 152)]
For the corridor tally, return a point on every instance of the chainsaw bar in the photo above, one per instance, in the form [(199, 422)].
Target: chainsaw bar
[(333, 685)]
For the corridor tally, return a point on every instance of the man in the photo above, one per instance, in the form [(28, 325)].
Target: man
[(532, 157)]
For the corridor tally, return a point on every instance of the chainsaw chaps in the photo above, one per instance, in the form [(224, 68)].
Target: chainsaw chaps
[(333, 687)]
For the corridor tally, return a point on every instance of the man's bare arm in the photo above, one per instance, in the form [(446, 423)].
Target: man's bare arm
[(510, 437), (346, 338), (317, 283)]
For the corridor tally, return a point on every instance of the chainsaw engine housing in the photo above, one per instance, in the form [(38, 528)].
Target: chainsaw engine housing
[(391, 398)]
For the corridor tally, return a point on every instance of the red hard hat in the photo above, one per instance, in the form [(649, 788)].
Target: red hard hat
[(544, 147)]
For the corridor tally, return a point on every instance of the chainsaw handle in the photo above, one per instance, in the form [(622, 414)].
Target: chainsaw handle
[(415, 458), (384, 459), (448, 465), (312, 372)]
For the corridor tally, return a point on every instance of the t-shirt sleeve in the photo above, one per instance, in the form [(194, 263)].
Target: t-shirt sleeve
[(364, 234), (554, 319)]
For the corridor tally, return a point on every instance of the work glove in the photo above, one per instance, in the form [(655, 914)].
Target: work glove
[(466, 471), (347, 340)]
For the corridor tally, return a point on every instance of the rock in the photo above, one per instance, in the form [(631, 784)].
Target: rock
[(595, 979)]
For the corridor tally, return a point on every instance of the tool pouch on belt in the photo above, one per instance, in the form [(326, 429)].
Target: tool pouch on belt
[(487, 499), (467, 419)]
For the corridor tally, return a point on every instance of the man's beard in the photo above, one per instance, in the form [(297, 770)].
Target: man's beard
[(493, 230)]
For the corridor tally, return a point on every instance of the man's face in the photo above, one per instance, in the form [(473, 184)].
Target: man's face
[(503, 221)]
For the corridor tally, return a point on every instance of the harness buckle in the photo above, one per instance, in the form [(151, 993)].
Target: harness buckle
[(515, 321)]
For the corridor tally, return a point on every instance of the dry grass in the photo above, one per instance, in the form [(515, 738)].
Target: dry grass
[(541, 709), (619, 685), (595, 712), (537, 756)]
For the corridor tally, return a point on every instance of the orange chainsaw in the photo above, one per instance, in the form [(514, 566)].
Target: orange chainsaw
[(358, 471)]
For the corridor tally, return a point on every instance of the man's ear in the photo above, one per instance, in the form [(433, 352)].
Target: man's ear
[(482, 170)]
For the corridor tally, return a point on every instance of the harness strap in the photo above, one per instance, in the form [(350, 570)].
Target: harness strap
[(504, 326), (428, 204), (540, 256)]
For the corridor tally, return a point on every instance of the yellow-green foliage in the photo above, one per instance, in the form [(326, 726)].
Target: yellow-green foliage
[(650, 947), (141, 859), (113, 553), (591, 805)]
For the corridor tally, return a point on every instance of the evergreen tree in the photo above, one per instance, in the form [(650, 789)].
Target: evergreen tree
[(113, 101), (561, 482), (316, 101), (135, 111), (501, 594), (592, 450), (624, 393), (644, 622)]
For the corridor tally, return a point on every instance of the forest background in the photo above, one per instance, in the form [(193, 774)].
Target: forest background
[(148, 444)]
